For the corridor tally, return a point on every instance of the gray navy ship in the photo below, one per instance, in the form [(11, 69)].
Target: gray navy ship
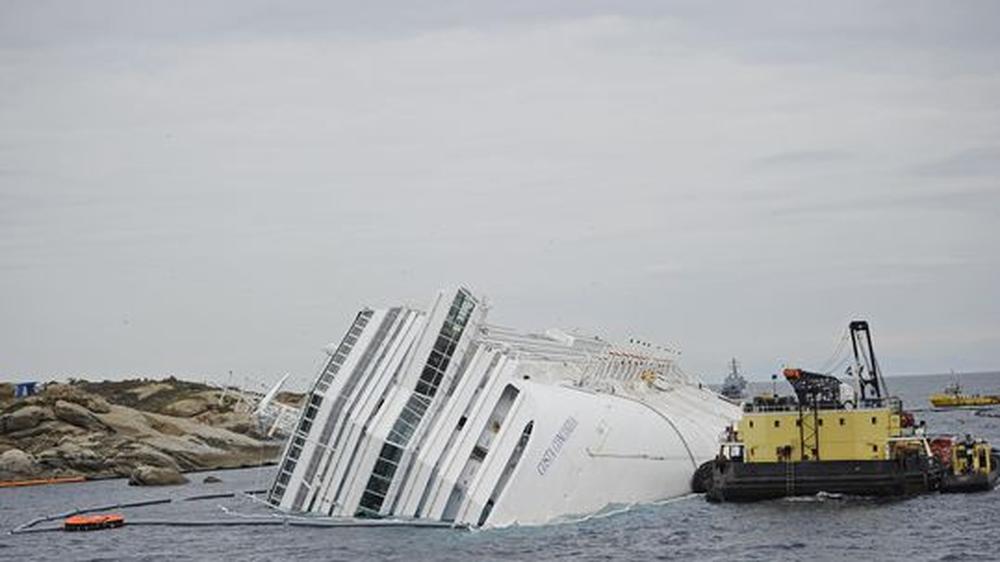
[(734, 386)]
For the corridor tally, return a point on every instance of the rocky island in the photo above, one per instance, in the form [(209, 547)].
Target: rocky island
[(151, 431)]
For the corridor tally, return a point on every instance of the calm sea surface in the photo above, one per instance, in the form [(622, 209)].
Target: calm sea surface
[(933, 527)]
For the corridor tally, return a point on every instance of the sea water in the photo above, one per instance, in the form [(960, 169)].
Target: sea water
[(930, 527)]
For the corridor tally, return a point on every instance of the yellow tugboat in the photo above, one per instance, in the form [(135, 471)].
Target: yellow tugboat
[(952, 397), (838, 438)]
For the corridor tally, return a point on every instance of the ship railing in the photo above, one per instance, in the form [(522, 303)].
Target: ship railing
[(752, 408)]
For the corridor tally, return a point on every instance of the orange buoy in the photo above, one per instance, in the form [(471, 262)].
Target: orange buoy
[(93, 522)]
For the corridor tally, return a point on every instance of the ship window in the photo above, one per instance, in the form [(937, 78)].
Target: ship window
[(777, 423), (874, 420), (370, 504), (392, 454), (441, 346), (384, 468), (378, 484), (436, 359), (478, 453), (820, 422), (842, 421), (751, 423), (874, 448), (798, 423)]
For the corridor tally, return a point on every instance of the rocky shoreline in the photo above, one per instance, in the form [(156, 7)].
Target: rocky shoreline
[(150, 431)]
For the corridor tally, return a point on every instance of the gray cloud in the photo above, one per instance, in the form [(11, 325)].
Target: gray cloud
[(800, 158), (982, 162), (211, 186)]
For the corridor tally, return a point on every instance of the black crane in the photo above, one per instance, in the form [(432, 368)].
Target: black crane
[(871, 385), (816, 391)]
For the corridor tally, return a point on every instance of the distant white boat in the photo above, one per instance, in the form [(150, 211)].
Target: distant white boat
[(441, 416)]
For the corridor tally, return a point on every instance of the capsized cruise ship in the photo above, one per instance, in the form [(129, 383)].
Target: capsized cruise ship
[(439, 415)]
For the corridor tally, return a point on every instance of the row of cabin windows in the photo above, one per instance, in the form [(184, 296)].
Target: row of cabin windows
[(345, 392), (343, 350), (798, 423), (315, 401), (444, 346), (430, 378), (285, 474), (336, 362)]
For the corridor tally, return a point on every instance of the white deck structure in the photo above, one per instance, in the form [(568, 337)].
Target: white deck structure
[(439, 415)]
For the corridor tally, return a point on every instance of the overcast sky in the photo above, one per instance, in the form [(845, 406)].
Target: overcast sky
[(195, 187)]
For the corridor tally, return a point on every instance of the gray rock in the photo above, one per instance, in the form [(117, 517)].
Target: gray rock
[(50, 431), (74, 455), (76, 451), (70, 393), (24, 418), (51, 458), (188, 407), (212, 480), (155, 476), (137, 454), (75, 414), (17, 461)]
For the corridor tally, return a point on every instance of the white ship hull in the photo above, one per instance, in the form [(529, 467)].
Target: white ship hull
[(441, 416)]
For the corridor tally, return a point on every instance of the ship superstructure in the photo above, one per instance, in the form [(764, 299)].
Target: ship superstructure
[(440, 415)]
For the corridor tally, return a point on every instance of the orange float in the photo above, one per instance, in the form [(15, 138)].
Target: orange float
[(41, 481), (93, 522)]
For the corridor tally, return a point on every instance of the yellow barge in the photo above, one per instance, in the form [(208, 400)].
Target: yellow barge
[(839, 438)]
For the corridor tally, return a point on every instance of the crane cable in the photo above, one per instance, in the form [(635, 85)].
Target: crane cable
[(838, 357)]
